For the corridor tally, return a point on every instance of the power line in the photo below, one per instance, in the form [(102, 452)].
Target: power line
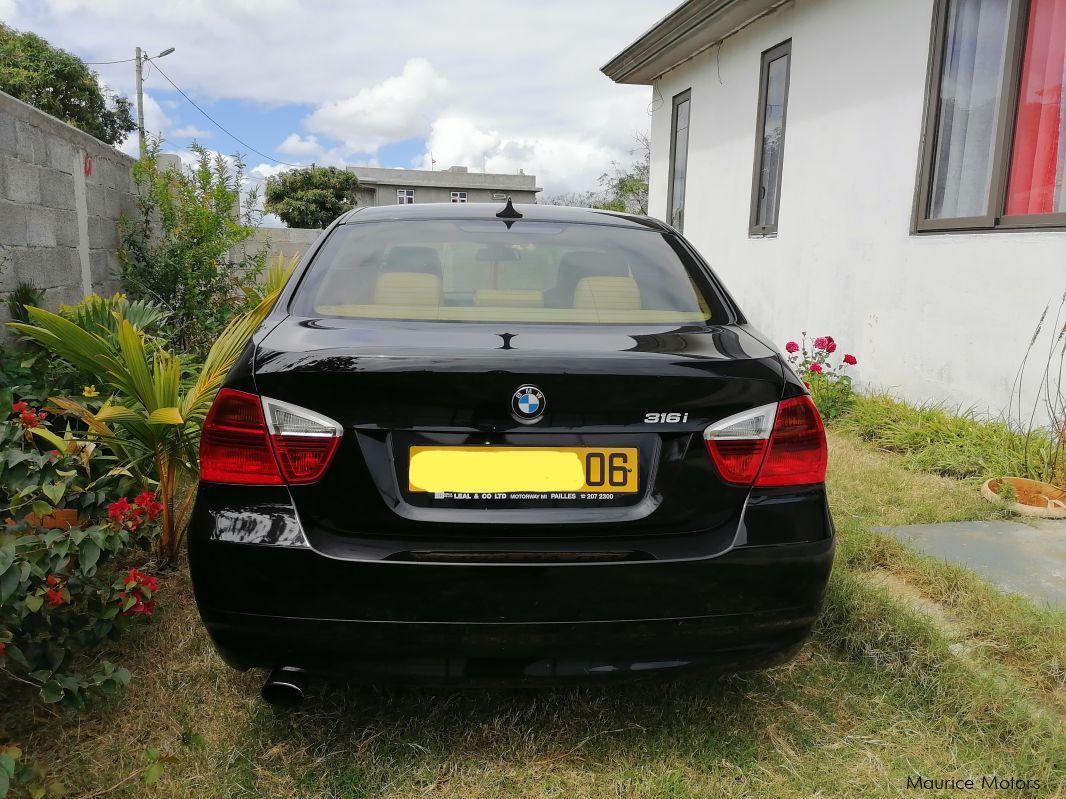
[(102, 63), (216, 124)]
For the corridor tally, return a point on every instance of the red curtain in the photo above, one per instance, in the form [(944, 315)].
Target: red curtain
[(1036, 173)]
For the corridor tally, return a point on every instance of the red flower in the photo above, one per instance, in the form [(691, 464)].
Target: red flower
[(820, 343), (850, 360), (792, 346), (20, 406), (118, 510), (141, 580), (816, 368), (830, 345), (52, 580), (144, 498), (54, 597), (54, 453)]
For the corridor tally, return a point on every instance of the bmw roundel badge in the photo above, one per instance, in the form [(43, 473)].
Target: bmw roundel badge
[(528, 404)]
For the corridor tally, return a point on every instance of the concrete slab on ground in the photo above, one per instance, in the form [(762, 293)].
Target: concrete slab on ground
[(1027, 559)]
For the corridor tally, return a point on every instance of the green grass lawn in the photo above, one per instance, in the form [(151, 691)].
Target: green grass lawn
[(916, 668)]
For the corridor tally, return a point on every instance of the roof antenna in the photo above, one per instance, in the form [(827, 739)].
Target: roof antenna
[(509, 211)]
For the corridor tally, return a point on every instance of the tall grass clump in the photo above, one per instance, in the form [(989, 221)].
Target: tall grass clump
[(955, 443)]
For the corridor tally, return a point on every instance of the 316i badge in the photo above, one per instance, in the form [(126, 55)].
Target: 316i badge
[(528, 404)]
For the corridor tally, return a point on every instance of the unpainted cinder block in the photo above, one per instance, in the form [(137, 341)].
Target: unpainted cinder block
[(40, 226), (57, 189), (12, 224), (22, 182)]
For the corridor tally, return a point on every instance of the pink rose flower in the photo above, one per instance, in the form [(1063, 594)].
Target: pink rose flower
[(792, 346)]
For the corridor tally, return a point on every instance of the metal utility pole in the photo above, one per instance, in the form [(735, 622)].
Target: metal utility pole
[(140, 103), (140, 59)]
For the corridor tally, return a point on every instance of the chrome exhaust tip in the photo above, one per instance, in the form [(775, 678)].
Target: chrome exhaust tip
[(284, 687)]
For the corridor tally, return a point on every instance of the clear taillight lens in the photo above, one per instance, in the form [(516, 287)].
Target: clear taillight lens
[(780, 444), (248, 440)]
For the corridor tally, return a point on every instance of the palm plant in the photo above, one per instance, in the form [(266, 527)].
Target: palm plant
[(159, 402)]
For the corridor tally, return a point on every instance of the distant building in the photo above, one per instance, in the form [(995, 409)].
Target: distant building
[(455, 184)]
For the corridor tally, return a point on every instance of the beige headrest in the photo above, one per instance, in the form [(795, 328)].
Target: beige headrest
[(607, 294), (407, 288), (509, 298)]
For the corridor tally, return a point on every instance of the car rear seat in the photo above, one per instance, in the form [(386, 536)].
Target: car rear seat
[(608, 294)]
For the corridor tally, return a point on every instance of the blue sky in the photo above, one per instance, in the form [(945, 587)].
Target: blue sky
[(501, 85)]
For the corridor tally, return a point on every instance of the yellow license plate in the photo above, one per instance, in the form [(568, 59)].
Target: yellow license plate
[(523, 469)]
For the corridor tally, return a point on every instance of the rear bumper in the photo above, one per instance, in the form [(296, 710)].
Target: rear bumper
[(276, 606)]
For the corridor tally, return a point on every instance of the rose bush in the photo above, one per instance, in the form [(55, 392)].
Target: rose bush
[(827, 378)]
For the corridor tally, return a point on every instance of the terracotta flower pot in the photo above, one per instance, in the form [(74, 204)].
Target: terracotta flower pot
[(1032, 498)]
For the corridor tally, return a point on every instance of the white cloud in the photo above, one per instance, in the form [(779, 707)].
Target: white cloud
[(156, 123), (191, 132), (400, 107), (295, 144), (560, 162), (310, 150)]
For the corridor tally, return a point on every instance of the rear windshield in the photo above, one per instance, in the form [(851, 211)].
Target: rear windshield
[(473, 270)]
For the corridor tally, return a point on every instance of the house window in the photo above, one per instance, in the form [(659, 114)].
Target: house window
[(405, 196), (678, 159), (770, 139), (458, 196), (996, 122)]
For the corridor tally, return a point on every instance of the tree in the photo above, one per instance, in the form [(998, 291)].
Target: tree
[(575, 199), (60, 84), (626, 189), (311, 197), (621, 189)]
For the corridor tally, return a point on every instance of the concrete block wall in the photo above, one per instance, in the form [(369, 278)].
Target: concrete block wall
[(285, 240), (62, 193)]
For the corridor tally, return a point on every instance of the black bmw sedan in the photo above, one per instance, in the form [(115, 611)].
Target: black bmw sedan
[(529, 442)]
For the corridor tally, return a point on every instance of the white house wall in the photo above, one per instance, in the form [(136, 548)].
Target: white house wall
[(942, 317)]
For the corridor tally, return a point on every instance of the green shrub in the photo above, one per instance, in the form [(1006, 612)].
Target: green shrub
[(60, 591), (186, 249)]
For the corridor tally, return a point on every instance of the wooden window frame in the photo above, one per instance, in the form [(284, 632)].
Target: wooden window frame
[(773, 54), (995, 218), (679, 98)]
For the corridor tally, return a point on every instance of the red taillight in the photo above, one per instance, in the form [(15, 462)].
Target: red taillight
[(737, 461), (797, 454), (234, 444), (781, 444), (304, 459), (239, 446)]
